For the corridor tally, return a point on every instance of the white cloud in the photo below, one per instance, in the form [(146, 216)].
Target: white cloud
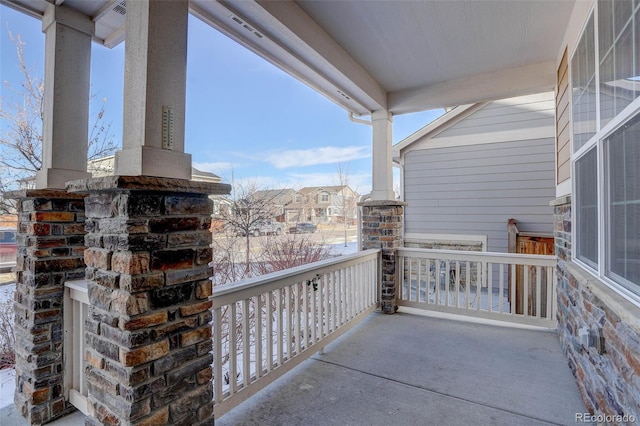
[(313, 156)]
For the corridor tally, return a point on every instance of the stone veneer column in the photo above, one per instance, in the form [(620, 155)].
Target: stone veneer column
[(50, 251), (608, 378), (148, 332), (382, 227)]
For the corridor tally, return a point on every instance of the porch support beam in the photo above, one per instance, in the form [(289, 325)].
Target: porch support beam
[(66, 96), (382, 228), (51, 228), (155, 90), (508, 83), (148, 331), (382, 176)]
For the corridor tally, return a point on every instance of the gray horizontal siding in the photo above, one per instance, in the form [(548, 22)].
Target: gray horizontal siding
[(526, 112), (476, 189)]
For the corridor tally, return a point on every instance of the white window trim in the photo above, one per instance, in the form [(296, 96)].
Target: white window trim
[(597, 142)]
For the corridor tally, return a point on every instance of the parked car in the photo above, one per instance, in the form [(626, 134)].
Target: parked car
[(263, 227), (8, 248), (303, 228)]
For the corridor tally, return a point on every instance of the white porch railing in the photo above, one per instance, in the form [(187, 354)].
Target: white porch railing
[(509, 287), (76, 308), (265, 326)]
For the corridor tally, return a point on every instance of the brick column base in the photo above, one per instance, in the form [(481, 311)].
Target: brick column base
[(148, 332), (382, 227), (50, 251)]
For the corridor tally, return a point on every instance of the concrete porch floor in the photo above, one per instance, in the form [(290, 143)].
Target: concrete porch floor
[(413, 370), (408, 369)]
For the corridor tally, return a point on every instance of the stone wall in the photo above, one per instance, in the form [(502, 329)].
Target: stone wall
[(607, 376), (50, 251), (148, 332), (382, 227)]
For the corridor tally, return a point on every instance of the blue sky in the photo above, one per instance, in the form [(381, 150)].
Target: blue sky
[(245, 118)]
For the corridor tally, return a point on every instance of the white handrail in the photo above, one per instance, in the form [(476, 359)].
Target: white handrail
[(264, 326), (291, 275), (519, 288), (479, 256)]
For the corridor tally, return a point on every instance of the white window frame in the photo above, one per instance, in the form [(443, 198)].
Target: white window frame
[(597, 142)]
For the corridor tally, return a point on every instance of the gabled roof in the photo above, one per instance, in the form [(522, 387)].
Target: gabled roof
[(438, 125), (204, 176), (105, 166), (277, 196), (330, 189), (533, 109)]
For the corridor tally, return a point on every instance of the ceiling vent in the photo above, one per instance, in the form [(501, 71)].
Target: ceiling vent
[(121, 7), (344, 95), (246, 26), (110, 22)]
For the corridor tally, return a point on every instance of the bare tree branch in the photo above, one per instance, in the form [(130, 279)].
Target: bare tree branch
[(249, 207), (22, 116)]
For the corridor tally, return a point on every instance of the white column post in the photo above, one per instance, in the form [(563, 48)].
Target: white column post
[(155, 90), (382, 179), (66, 96)]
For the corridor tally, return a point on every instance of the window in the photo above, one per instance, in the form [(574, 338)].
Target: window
[(324, 197), (583, 79), (587, 208), (619, 57), (623, 204), (605, 81)]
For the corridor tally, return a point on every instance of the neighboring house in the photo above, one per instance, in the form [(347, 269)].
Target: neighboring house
[(280, 199), (323, 204), (8, 220), (105, 166), (467, 173)]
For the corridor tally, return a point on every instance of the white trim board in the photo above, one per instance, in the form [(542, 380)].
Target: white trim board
[(485, 138), (563, 188), (467, 238)]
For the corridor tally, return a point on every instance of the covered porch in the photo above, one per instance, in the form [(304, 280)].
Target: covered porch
[(134, 249)]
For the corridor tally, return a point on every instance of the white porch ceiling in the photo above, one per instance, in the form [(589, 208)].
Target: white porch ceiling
[(399, 55)]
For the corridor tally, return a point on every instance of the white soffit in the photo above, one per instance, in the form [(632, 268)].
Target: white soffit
[(404, 56)]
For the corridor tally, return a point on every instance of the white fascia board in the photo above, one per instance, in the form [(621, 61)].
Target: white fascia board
[(302, 36), (219, 15), (437, 126), (327, 52), (35, 9), (506, 83)]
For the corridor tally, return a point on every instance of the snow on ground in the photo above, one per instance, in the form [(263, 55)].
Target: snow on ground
[(341, 249), (7, 386), (7, 376)]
